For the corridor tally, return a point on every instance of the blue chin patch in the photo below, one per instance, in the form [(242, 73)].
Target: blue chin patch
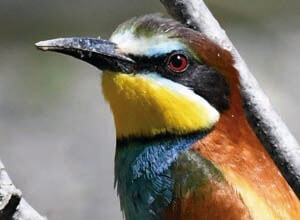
[(144, 176)]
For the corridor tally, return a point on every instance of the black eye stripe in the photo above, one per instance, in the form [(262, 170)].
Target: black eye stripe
[(206, 81), (156, 63)]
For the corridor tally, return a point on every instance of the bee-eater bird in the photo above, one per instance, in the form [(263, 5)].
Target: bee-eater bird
[(185, 149)]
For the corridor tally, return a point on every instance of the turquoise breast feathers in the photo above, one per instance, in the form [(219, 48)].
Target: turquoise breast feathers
[(150, 174)]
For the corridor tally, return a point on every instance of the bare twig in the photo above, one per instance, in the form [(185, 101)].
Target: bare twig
[(269, 127), (12, 205)]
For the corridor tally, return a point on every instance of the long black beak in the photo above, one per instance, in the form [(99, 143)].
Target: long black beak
[(101, 53)]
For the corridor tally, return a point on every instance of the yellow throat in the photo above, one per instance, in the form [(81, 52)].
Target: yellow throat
[(145, 105)]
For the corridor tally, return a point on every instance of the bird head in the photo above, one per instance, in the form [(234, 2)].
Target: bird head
[(159, 76)]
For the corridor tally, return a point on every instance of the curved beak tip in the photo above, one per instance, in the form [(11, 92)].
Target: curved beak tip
[(42, 45), (48, 44)]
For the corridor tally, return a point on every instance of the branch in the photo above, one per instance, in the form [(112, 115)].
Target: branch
[(12, 205), (269, 127)]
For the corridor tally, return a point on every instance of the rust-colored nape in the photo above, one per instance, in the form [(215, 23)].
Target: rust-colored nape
[(234, 147)]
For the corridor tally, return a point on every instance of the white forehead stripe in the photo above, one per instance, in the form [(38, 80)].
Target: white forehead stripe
[(128, 43)]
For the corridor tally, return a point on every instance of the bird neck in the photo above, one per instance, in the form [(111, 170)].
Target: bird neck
[(143, 174), (234, 147)]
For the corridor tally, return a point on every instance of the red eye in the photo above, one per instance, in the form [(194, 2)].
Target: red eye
[(177, 62)]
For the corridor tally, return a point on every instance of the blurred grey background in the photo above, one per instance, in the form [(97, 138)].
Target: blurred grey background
[(56, 131)]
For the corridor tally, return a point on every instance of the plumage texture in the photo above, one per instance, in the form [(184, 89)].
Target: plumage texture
[(212, 201), (185, 148), (251, 186), (154, 174), (234, 147), (143, 174)]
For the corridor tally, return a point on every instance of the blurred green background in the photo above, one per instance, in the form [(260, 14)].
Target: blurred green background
[(56, 131)]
